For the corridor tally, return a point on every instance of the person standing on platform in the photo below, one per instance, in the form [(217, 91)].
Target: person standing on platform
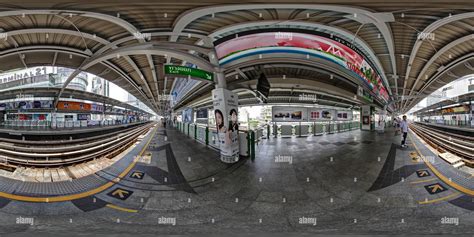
[(404, 130)]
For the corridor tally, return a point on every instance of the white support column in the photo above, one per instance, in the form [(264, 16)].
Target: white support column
[(220, 80), (219, 72)]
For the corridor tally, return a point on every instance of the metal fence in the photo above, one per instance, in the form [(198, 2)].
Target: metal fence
[(58, 125), (209, 137)]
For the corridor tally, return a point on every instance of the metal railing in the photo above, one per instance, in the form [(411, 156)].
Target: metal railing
[(307, 129), (58, 125), (454, 123), (209, 137)]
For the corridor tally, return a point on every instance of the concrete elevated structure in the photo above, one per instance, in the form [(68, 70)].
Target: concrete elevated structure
[(263, 118)]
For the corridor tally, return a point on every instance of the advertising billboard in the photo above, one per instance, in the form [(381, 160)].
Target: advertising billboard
[(27, 105), (83, 116), (344, 115), (302, 43), (202, 114), (304, 114), (71, 105), (321, 114), (289, 114), (457, 109), (188, 115), (180, 88), (472, 115)]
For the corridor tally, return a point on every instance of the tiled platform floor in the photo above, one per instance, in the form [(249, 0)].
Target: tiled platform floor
[(354, 182)]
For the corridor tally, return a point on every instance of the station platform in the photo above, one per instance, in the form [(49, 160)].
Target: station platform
[(357, 181), (73, 188), (456, 178), (469, 130)]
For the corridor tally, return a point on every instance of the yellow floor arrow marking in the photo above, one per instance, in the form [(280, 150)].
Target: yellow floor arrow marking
[(441, 176), (423, 173), (120, 192), (137, 175), (435, 187)]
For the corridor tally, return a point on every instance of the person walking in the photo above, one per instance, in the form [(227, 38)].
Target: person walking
[(404, 130)]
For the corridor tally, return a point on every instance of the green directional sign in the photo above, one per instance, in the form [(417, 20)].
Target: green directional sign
[(189, 71)]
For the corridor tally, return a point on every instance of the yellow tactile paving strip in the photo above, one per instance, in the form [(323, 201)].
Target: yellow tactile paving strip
[(441, 176), (440, 199), (121, 208)]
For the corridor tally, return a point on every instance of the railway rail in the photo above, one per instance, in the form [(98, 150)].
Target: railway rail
[(68, 152), (462, 146)]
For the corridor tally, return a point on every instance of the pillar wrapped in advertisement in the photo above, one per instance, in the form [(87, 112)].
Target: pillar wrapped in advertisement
[(472, 115), (226, 114)]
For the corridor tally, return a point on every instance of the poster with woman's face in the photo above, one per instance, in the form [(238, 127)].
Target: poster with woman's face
[(219, 121), (233, 125)]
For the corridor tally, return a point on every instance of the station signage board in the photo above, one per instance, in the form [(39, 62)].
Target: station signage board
[(189, 71), (364, 94), (25, 73)]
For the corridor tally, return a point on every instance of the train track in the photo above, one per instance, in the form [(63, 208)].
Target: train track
[(68, 152), (443, 141)]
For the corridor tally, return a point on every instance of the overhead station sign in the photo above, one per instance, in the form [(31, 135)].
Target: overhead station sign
[(362, 93), (321, 46), (189, 71)]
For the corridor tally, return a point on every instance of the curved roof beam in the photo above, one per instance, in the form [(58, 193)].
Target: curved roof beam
[(66, 50), (154, 34), (43, 48), (340, 32), (149, 50), (66, 32), (436, 56), (432, 27), (112, 19), (57, 31), (363, 16), (115, 20), (124, 75), (447, 68)]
